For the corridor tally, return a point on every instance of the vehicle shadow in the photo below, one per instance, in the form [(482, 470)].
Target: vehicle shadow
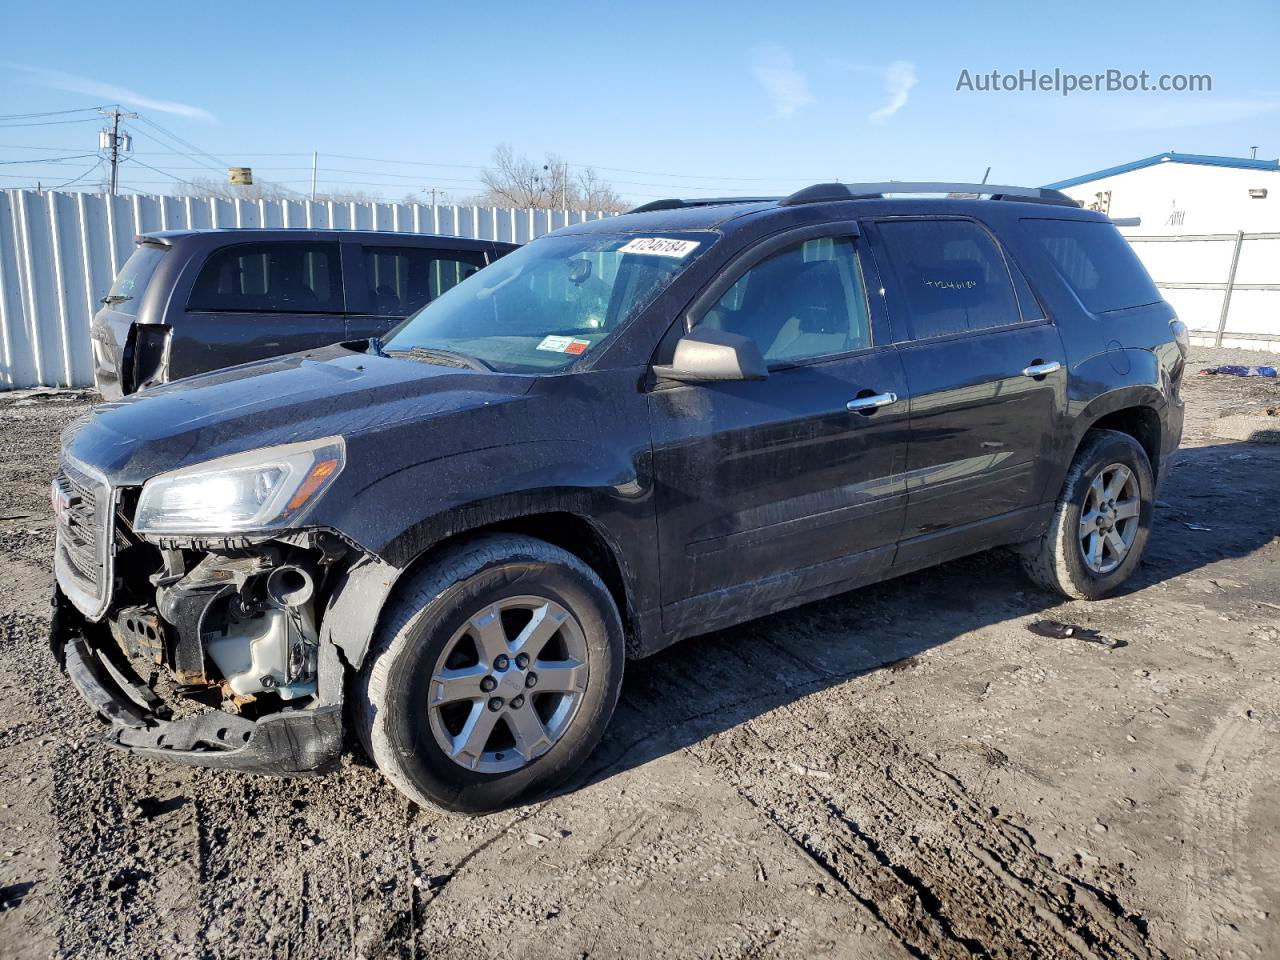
[(709, 684)]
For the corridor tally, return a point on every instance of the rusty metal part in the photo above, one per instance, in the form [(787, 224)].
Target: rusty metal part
[(139, 632)]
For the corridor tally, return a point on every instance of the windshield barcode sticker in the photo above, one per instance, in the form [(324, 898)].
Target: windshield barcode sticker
[(572, 345), (660, 247)]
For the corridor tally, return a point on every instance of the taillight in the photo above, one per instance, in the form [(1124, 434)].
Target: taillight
[(1181, 337)]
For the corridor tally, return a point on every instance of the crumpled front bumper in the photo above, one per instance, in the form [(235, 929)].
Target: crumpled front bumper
[(289, 743)]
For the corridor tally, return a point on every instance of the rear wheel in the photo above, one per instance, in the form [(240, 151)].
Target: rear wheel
[(495, 674), (1100, 522)]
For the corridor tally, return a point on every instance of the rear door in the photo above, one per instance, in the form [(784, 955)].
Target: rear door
[(985, 371), (387, 280), (779, 482), (260, 299)]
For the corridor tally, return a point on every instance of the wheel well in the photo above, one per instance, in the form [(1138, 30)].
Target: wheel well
[(1141, 423), (569, 532)]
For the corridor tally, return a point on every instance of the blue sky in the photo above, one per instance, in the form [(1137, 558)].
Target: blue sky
[(662, 98)]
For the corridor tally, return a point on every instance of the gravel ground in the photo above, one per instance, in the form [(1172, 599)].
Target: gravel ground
[(902, 771)]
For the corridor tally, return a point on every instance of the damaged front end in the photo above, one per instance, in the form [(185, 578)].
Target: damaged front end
[(201, 649)]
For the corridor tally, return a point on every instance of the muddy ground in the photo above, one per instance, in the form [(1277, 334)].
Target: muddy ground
[(902, 771)]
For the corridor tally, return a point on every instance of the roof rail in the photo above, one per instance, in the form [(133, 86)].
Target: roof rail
[(824, 192), (675, 203)]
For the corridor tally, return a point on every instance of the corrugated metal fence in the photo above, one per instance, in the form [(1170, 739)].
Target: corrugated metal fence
[(59, 253), (1225, 286)]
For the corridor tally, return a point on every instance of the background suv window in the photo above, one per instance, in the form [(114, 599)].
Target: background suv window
[(402, 279), (270, 277), (803, 302), (951, 277)]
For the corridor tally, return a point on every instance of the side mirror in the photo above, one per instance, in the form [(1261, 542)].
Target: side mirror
[(707, 355)]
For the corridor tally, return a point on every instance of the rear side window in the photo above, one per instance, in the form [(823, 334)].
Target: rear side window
[(402, 279), (951, 277), (133, 278), (270, 277), (1097, 263)]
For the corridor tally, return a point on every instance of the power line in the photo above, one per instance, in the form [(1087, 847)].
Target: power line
[(165, 172), (190, 156), (46, 123), (184, 143), (96, 166), (78, 156), (23, 146), (49, 113)]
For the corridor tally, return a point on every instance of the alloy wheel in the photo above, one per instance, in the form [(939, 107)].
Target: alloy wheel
[(508, 684), (1109, 518)]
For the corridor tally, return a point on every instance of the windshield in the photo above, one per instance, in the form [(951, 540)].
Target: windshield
[(550, 302), (133, 278)]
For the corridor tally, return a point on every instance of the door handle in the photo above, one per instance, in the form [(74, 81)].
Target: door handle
[(871, 404), (1042, 369)]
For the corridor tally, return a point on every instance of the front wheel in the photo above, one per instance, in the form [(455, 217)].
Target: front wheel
[(1100, 523), (495, 672)]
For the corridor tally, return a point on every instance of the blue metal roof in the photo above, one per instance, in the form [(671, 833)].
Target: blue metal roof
[(1199, 159)]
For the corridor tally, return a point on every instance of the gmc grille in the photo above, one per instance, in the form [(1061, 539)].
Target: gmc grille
[(84, 518)]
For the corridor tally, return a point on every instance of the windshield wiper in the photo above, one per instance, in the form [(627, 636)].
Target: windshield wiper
[(443, 358), (112, 299)]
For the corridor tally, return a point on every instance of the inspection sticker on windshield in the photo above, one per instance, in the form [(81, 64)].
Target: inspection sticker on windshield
[(574, 345), (660, 247)]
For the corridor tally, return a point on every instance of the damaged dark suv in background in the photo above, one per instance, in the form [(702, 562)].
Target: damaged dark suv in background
[(628, 432), (190, 301)]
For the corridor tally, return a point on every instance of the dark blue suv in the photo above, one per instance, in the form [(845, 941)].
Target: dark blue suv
[(623, 434)]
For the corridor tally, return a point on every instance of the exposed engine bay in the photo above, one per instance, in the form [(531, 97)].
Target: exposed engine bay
[(210, 650)]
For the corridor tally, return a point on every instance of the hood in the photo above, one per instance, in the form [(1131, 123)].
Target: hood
[(329, 392)]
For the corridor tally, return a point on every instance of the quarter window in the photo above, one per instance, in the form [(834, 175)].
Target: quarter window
[(803, 302), (270, 277), (951, 277), (1097, 262), (402, 279)]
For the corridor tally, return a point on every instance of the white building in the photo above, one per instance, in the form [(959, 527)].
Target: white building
[(1208, 230)]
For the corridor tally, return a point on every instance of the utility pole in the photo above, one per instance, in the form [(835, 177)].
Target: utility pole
[(564, 189), (112, 141), (315, 162)]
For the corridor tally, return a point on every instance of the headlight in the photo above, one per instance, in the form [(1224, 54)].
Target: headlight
[(259, 490)]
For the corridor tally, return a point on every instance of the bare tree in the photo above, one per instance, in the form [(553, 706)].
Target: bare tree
[(514, 180), (266, 190), (206, 188)]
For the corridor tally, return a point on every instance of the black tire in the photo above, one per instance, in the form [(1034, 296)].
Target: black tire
[(390, 703), (1056, 560)]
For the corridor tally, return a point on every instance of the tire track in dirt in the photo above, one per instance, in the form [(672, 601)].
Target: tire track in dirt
[(1217, 890), (949, 877)]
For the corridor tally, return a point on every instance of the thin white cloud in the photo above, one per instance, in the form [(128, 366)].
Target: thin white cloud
[(109, 92), (1175, 113), (899, 78), (785, 86)]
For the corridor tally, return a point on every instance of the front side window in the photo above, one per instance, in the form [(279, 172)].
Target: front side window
[(805, 301), (401, 280), (270, 277), (950, 277), (552, 301)]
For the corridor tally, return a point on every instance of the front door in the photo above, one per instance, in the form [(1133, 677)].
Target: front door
[(768, 490), (987, 378)]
